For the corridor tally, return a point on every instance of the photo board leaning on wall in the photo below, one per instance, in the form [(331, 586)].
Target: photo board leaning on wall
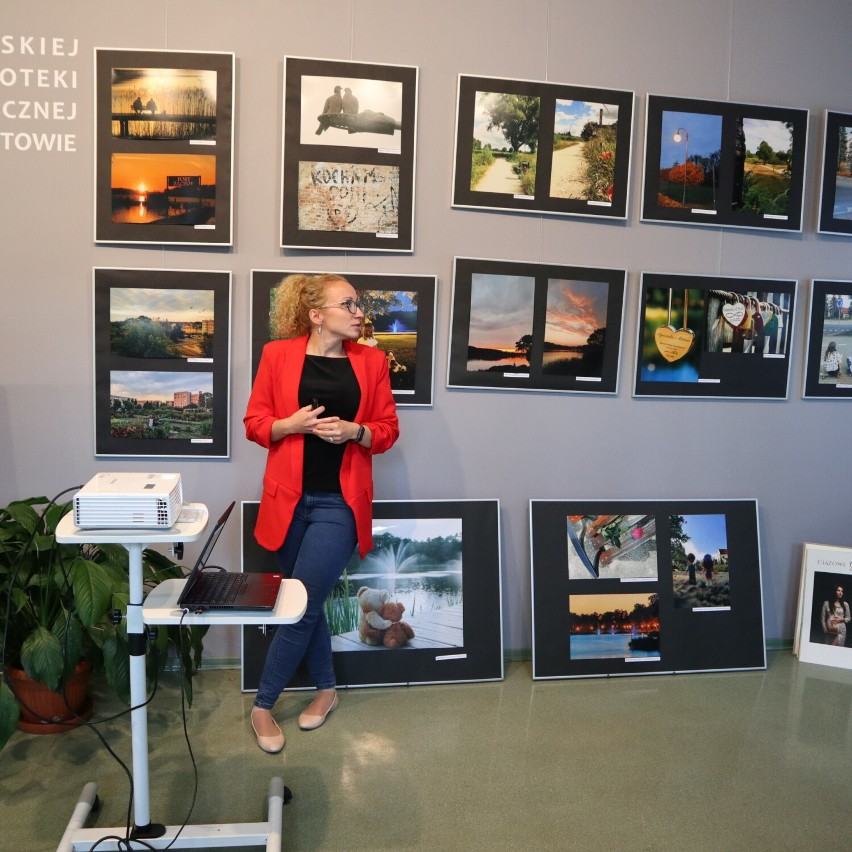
[(824, 622), (835, 203), (399, 320), (828, 362), (535, 326), (348, 149), (439, 559), (162, 362), (720, 163), (542, 147), (164, 136), (713, 336), (624, 587)]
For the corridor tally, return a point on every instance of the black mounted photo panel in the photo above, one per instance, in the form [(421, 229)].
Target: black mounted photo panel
[(835, 204), (714, 336), (437, 559), (162, 362), (532, 146), (348, 150), (828, 357), (724, 164), (399, 320), (164, 138), (623, 587), (535, 326)]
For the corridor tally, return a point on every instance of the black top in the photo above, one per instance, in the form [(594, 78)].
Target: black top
[(332, 382)]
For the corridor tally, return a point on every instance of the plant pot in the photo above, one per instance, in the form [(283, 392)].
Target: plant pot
[(46, 712)]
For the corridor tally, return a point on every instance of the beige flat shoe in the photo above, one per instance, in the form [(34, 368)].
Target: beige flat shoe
[(308, 722), (272, 744)]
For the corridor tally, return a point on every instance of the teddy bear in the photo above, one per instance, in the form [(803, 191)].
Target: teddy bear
[(381, 620), (394, 366)]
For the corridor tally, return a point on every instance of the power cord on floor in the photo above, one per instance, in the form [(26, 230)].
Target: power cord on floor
[(127, 842)]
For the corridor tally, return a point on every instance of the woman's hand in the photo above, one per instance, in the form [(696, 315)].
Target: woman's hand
[(303, 421), (334, 430)]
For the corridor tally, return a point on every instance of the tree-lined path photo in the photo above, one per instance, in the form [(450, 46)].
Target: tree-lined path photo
[(500, 177)]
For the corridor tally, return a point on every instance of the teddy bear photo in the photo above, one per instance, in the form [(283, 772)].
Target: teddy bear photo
[(381, 620), (393, 365)]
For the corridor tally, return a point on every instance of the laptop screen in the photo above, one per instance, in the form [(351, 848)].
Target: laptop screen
[(211, 541)]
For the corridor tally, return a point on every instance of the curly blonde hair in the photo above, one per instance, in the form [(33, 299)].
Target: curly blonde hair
[(292, 301)]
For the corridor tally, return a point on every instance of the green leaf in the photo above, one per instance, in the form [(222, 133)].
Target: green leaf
[(23, 514), (69, 632), (41, 657), (92, 590), (117, 666), (9, 713)]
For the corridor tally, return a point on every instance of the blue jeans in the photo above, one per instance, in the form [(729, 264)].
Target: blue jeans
[(318, 545)]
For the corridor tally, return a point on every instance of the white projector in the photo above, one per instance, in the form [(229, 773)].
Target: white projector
[(129, 501)]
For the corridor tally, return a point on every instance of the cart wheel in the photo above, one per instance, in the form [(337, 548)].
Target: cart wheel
[(288, 795)]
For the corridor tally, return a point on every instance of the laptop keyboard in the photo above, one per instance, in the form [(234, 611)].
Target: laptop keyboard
[(219, 588)]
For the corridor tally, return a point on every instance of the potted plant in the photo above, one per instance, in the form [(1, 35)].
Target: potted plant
[(62, 608)]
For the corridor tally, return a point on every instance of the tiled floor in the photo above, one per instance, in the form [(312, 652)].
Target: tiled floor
[(734, 761)]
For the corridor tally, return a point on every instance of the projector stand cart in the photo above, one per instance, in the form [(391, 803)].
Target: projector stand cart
[(161, 608)]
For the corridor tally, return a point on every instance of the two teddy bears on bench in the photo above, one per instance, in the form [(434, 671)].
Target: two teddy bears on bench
[(381, 620)]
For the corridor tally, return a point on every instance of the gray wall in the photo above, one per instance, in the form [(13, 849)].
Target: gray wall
[(791, 455)]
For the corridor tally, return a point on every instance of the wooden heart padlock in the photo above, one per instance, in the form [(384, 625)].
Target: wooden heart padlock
[(672, 342), (734, 312)]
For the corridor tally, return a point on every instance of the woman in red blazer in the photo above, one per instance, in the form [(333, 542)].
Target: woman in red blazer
[(322, 406)]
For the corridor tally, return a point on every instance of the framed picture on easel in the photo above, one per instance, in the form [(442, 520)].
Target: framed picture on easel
[(824, 624)]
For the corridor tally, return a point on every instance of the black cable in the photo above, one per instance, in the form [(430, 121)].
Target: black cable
[(77, 719), (186, 738)]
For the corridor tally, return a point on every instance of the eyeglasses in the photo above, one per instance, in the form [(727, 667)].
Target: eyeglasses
[(351, 305)]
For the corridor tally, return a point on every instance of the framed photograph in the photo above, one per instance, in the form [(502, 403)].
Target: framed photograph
[(720, 163), (164, 136), (705, 336), (348, 151), (162, 362), (835, 202), (429, 558), (624, 587), (823, 630), (828, 364), (542, 147), (399, 319), (534, 326)]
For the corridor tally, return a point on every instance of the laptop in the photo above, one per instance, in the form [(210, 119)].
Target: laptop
[(227, 590)]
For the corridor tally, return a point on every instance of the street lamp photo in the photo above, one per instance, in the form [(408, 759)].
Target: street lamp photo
[(680, 135)]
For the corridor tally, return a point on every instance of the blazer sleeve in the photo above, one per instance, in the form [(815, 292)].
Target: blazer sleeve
[(381, 418), (261, 411)]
